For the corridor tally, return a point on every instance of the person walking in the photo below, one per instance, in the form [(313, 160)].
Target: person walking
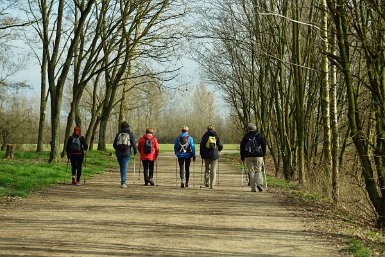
[(210, 147), (123, 142), (76, 145), (148, 148), (184, 149), (253, 151)]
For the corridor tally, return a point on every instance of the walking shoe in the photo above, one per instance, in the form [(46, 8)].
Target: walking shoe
[(123, 186), (259, 188), (253, 190), (151, 182), (181, 185), (78, 183), (186, 185), (73, 180), (206, 185)]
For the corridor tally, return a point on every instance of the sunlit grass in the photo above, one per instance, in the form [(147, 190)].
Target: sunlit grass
[(30, 171)]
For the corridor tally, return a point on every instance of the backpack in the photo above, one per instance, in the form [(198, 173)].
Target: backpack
[(184, 145), (147, 146), (76, 146), (252, 146), (211, 143), (123, 141)]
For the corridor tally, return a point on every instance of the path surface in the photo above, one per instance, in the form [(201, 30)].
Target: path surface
[(101, 219)]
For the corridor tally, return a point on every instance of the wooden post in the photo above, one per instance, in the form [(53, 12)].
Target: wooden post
[(9, 152)]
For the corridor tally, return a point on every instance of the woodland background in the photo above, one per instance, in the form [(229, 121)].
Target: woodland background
[(310, 74)]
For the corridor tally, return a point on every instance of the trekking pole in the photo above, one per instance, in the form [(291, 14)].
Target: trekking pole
[(140, 165), (66, 174), (134, 170), (193, 174), (264, 173), (156, 172), (85, 167), (201, 174), (218, 173)]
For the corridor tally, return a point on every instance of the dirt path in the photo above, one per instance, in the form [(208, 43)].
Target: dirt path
[(101, 219)]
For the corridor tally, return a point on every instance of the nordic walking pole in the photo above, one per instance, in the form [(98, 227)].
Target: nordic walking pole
[(176, 179), (134, 170), (85, 166), (140, 165), (218, 173), (201, 174), (66, 174), (264, 173), (193, 174)]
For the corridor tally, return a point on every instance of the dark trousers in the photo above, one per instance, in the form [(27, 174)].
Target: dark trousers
[(184, 165), (148, 170), (76, 165)]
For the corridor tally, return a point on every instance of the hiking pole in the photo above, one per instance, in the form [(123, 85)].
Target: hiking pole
[(140, 165), (201, 174), (85, 166), (176, 180), (264, 173), (66, 174), (193, 174), (134, 170), (218, 173), (156, 172)]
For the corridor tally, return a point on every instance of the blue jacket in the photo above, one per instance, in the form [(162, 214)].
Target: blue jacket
[(189, 154)]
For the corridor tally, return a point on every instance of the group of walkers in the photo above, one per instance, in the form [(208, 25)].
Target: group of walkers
[(252, 152)]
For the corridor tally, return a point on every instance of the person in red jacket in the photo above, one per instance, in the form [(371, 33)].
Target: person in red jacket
[(149, 149)]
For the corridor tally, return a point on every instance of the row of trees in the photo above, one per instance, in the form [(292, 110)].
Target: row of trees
[(311, 75)]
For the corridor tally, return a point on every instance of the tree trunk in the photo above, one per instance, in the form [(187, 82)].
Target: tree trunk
[(9, 154)]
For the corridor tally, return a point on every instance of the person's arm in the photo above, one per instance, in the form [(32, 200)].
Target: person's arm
[(68, 146), (156, 147), (132, 141), (176, 145), (242, 148), (219, 144), (84, 144), (192, 148), (115, 141)]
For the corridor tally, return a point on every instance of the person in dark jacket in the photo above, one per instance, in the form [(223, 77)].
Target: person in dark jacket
[(210, 147), (123, 142), (76, 144), (253, 151), (148, 148), (184, 149)]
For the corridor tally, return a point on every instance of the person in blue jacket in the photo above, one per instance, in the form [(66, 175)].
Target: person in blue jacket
[(184, 149)]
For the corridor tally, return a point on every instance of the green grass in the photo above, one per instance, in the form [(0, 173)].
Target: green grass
[(30, 171), (356, 248)]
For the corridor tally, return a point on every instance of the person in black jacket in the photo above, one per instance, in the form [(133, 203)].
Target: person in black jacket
[(76, 144), (210, 147), (123, 142), (253, 151)]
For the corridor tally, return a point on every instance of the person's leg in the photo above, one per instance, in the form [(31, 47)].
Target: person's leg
[(207, 172), (213, 169), (151, 174), (187, 165), (145, 171), (123, 170), (251, 170), (73, 169), (79, 164), (181, 171), (259, 175)]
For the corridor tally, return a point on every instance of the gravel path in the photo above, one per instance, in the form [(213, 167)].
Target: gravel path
[(101, 219)]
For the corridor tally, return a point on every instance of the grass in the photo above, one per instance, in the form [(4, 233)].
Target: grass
[(30, 171), (356, 248)]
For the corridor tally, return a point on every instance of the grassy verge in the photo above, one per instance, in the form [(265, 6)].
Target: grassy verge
[(360, 240), (29, 171)]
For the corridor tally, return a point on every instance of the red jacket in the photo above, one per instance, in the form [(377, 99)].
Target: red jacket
[(155, 148)]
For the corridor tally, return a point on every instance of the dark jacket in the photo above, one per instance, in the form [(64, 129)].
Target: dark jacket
[(83, 147), (132, 143), (207, 153), (260, 139)]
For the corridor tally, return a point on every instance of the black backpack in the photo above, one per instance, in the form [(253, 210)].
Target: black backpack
[(252, 146), (147, 146), (184, 146), (76, 145), (123, 142)]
